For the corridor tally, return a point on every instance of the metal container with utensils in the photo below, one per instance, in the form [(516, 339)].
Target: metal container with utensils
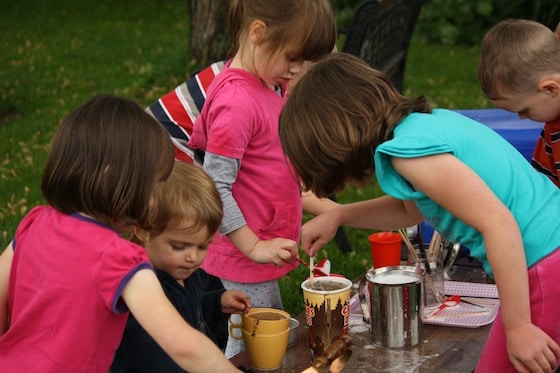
[(395, 307)]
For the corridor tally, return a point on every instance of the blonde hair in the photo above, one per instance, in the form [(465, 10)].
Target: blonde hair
[(515, 54), (188, 195), (307, 24), (335, 118)]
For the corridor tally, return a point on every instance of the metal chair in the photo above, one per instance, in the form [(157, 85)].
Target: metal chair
[(380, 33)]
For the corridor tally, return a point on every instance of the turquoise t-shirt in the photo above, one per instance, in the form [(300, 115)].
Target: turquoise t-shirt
[(532, 198)]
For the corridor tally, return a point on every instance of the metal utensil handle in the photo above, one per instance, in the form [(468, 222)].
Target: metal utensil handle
[(363, 301), (451, 257)]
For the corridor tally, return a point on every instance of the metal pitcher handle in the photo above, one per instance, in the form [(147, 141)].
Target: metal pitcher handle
[(363, 302), (450, 259)]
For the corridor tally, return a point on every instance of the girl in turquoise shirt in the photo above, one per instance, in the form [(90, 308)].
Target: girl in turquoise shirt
[(346, 123)]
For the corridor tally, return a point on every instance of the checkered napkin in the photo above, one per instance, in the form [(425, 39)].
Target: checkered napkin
[(471, 289)]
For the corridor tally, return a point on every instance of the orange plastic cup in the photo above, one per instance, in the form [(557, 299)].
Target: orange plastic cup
[(385, 249)]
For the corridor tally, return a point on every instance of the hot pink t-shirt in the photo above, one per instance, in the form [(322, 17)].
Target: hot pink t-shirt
[(240, 120), (67, 275)]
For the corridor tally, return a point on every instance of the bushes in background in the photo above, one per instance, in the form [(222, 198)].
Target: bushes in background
[(466, 21)]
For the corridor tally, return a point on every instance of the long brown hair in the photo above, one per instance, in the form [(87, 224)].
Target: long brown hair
[(307, 24), (335, 118), (105, 159)]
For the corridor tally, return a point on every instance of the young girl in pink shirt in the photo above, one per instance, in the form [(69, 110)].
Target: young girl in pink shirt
[(68, 279), (238, 131)]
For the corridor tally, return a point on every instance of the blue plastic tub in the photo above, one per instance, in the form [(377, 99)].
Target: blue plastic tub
[(521, 133)]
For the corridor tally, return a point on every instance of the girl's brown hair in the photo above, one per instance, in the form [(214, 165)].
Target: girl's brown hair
[(515, 54), (188, 195), (307, 24), (335, 118), (106, 157)]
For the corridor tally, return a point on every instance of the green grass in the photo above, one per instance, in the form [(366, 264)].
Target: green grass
[(56, 54)]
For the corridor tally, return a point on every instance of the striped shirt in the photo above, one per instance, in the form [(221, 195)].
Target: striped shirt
[(546, 156), (178, 109)]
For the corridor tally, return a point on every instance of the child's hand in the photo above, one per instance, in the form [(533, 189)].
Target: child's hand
[(276, 250), (317, 232), (235, 301), (531, 349)]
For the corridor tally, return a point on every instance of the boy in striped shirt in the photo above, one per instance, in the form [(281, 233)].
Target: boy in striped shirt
[(519, 71)]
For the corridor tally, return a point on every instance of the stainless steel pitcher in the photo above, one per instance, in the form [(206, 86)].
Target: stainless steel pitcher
[(395, 307)]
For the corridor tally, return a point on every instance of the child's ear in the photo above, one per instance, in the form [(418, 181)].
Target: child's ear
[(257, 32), (550, 85), (142, 235)]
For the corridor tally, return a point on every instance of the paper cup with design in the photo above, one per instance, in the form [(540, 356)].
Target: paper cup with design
[(327, 310), (265, 332)]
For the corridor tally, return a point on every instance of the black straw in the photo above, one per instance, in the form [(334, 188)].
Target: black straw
[(423, 250)]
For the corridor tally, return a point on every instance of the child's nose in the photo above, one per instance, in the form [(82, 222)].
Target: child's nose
[(192, 256), (296, 67)]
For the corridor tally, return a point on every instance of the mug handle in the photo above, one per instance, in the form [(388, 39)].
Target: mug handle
[(363, 302), (234, 325)]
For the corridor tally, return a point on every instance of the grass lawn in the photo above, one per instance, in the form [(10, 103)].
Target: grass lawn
[(56, 54)]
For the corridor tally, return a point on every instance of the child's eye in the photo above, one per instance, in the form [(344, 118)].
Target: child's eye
[(177, 245), (292, 57)]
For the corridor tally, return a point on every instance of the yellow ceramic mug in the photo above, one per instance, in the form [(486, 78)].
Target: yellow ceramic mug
[(265, 332)]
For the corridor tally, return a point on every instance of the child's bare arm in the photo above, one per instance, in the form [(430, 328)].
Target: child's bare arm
[(188, 347), (277, 250), (463, 193), (315, 205), (5, 265), (383, 213)]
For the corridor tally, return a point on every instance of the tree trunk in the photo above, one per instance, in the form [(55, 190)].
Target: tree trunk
[(210, 40)]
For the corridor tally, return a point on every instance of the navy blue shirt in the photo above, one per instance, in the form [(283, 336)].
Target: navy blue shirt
[(199, 302)]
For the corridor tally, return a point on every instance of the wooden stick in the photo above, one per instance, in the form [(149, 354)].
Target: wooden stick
[(432, 243), (455, 315), (433, 250), (411, 251), (415, 257), (437, 246), (433, 288), (311, 272), (435, 243)]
